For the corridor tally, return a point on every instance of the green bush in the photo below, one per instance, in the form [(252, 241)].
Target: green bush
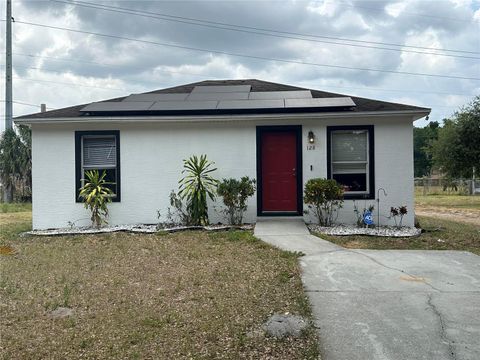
[(235, 194), (324, 197), (96, 195), (196, 186)]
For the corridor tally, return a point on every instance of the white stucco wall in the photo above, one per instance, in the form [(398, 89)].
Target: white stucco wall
[(393, 158), (151, 162)]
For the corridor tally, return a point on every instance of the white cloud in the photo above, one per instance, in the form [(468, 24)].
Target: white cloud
[(324, 8), (395, 9), (476, 15)]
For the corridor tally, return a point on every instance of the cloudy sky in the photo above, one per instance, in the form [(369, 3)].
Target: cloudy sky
[(330, 45)]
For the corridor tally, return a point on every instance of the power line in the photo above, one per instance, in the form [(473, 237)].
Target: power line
[(67, 72), (405, 12), (367, 88), (210, 77), (37, 68), (64, 83), (28, 104), (298, 62), (92, 62), (245, 29), (278, 31)]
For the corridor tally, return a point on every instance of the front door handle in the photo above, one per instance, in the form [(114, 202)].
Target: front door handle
[(294, 172)]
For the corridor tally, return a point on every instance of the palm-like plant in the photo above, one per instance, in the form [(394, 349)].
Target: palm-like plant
[(96, 195), (196, 186)]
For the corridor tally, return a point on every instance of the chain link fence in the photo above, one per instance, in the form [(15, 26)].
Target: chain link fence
[(445, 186)]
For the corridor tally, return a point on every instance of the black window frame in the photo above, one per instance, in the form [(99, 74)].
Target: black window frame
[(371, 158), (78, 159)]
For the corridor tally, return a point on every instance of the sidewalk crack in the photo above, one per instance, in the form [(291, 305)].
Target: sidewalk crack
[(395, 269), (443, 334)]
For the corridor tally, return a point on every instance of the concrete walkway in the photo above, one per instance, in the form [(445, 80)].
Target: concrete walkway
[(385, 304)]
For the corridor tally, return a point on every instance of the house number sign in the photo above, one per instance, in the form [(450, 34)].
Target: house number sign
[(310, 147)]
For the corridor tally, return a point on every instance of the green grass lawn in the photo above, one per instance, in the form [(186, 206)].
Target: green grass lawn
[(15, 207), (439, 235), (449, 201), (191, 295)]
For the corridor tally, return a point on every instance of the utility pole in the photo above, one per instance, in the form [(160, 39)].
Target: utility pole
[(8, 69), (7, 187)]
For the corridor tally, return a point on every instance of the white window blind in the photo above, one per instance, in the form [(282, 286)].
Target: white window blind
[(99, 152), (349, 146), (349, 168)]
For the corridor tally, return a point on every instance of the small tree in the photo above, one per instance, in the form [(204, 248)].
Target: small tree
[(456, 151), (324, 197), (96, 195), (235, 194), (196, 186)]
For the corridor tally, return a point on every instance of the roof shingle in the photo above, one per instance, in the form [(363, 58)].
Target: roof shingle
[(362, 104)]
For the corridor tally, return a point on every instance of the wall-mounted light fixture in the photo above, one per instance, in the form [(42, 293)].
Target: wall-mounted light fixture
[(311, 137)]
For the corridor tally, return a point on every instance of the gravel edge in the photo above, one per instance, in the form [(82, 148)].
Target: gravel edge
[(138, 228), (348, 230)]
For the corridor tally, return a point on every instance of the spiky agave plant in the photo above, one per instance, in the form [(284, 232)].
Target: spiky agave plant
[(96, 195), (196, 186)]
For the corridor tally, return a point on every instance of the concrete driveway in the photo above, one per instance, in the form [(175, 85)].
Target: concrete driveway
[(386, 304)]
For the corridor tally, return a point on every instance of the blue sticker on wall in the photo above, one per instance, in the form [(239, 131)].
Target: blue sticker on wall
[(368, 218)]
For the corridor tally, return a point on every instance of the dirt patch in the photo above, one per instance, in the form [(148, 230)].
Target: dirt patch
[(469, 216)]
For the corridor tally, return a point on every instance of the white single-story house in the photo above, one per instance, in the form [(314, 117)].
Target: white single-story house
[(278, 134)]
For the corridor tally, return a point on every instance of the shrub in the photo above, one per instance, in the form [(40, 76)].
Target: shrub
[(177, 214), (324, 197), (96, 195), (196, 186), (235, 194)]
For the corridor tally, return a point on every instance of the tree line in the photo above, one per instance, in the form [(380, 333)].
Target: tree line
[(452, 149), (16, 164)]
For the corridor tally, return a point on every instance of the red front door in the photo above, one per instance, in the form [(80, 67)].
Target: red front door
[(279, 171)]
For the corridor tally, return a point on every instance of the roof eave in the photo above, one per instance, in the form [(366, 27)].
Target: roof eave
[(415, 114)]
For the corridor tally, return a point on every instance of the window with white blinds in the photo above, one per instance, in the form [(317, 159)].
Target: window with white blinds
[(98, 150), (349, 159)]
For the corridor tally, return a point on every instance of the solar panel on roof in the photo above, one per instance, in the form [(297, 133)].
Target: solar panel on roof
[(156, 97), (266, 95), (319, 102), (222, 88), (250, 104), (107, 106), (184, 105), (235, 97), (218, 96)]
